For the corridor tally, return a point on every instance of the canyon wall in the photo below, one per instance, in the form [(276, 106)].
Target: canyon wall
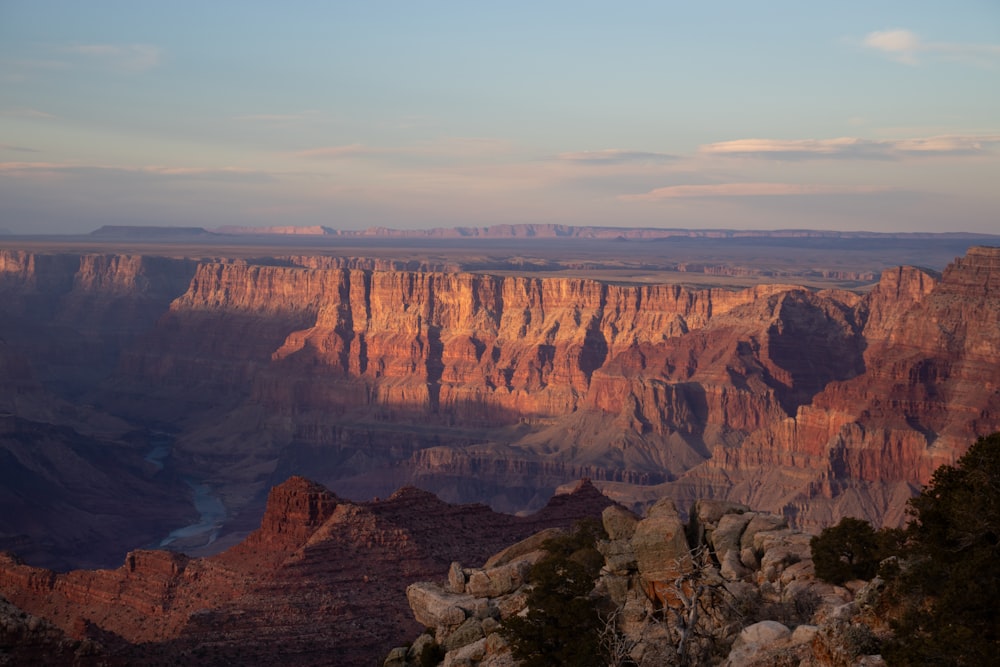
[(501, 388)]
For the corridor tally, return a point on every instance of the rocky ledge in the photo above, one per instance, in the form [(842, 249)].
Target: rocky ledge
[(732, 587)]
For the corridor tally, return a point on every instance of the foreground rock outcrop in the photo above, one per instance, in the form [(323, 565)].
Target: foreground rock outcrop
[(742, 592)]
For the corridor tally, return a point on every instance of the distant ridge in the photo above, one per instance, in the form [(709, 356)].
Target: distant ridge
[(578, 232), (309, 230), (138, 232)]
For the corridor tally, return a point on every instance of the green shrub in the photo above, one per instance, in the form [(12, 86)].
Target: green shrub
[(431, 655), (846, 551), (947, 587), (562, 625)]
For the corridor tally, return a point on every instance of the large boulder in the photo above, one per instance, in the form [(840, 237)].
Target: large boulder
[(496, 581), (619, 555), (661, 547), (761, 522), (756, 639), (619, 523), (435, 607), (731, 568), (707, 512), (456, 579), (524, 547), (471, 630), (726, 535), (466, 654)]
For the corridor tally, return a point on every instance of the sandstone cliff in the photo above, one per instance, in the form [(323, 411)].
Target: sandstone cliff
[(930, 387), (501, 388)]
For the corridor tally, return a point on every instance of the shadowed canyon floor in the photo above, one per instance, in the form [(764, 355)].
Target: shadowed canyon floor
[(153, 386)]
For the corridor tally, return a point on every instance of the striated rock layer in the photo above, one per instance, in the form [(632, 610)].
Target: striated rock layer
[(501, 388), (930, 387)]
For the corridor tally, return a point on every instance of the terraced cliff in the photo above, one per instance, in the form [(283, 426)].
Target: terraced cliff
[(501, 388)]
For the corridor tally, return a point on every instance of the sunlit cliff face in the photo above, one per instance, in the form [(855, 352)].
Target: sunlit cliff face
[(501, 387)]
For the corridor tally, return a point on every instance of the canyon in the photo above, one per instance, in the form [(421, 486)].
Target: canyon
[(132, 379), (321, 581)]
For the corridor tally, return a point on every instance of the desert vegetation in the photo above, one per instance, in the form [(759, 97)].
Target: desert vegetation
[(941, 574)]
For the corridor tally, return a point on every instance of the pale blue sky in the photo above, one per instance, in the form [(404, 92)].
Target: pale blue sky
[(853, 115)]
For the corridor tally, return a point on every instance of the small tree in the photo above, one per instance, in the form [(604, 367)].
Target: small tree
[(562, 625), (848, 550), (948, 584)]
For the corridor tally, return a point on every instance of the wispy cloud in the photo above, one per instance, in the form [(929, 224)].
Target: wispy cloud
[(853, 148), (24, 112), (346, 151), (18, 149), (128, 57), (616, 156), (233, 174), (747, 190), (309, 114), (447, 148), (905, 46)]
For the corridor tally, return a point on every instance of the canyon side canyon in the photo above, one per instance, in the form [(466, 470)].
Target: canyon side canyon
[(137, 390)]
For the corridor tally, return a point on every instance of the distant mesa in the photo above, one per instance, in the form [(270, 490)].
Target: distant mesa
[(554, 231), (139, 232), (291, 230)]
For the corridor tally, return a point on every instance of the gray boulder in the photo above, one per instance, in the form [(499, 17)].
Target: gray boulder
[(524, 547), (761, 522), (471, 630), (726, 535), (619, 523), (434, 607)]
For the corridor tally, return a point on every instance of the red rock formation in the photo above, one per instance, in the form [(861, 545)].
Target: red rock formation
[(320, 577), (930, 387), (490, 387), (29, 640)]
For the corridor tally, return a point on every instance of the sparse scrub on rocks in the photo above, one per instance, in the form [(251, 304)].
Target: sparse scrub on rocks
[(638, 593)]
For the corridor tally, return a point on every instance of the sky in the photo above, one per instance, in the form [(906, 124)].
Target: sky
[(767, 114)]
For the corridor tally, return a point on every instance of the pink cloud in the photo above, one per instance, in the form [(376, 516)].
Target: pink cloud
[(450, 147), (342, 152), (207, 173), (747, 190), (852, 147), (615, 156), (905, 46)]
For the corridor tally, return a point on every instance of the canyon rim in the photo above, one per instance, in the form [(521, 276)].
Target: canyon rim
[(197, 381)]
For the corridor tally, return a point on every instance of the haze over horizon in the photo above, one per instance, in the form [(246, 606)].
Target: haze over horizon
[(857, 116)]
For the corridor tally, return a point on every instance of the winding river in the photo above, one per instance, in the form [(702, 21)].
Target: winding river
[(211, 511)]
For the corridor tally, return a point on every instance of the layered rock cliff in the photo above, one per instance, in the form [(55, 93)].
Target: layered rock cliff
[(501, 388), (930, 387)]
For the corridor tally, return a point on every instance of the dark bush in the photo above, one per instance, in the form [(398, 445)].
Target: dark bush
[(846, 551), (947, 587), (562, 626)]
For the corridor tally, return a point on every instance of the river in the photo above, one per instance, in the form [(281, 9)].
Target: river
[(211, 511)]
